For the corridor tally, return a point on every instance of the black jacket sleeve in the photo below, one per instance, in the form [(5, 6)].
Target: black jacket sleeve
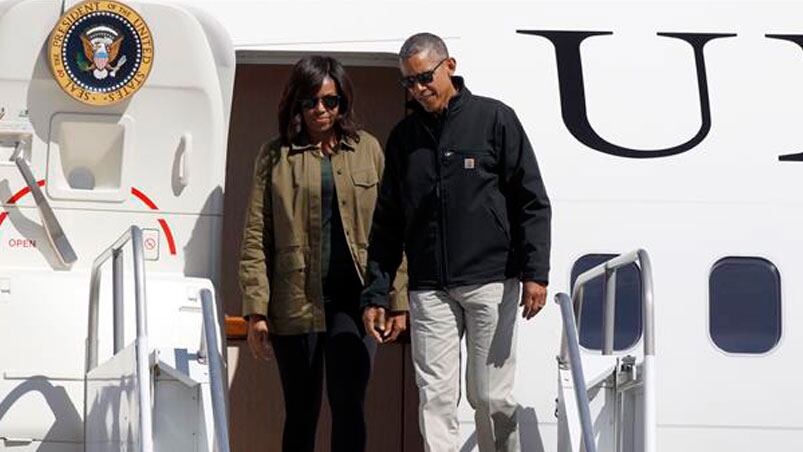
[(386, 242), (528, 205)]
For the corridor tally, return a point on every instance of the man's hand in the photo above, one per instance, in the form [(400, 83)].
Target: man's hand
[(533, 298), (384, 327), (395, 324), (373, 319), (258, 340)]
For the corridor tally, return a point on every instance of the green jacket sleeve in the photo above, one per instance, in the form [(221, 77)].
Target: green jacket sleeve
[(257, 241), (398, 291)]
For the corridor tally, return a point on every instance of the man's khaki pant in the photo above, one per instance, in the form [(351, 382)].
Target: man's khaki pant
[(487, 314)]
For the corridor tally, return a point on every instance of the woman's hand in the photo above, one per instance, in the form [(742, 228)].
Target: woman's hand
[(258, 339), (395, 324), (384, 328), (373, 320)]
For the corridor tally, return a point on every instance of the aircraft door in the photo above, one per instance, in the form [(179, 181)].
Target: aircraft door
[(119, 112)]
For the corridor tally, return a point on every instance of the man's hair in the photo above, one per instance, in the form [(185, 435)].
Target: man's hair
[(423, 42)]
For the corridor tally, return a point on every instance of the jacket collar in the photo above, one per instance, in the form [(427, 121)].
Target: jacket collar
[(455, 103), (301, 144)]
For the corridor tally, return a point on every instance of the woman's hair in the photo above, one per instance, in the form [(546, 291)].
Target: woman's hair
[(305, 80)]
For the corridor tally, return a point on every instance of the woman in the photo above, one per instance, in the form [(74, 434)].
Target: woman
[(304, 255)]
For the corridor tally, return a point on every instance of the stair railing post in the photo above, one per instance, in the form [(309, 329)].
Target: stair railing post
[(578, 378), (650, 382), (117, 297), (215, 362)]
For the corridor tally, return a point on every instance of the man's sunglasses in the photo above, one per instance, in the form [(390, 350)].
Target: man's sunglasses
[(329, 102), (423, 78)]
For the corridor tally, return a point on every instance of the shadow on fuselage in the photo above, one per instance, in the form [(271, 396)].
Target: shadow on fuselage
[(529, 434), (67, 426)]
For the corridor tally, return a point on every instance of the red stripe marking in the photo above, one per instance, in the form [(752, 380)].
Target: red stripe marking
[(17, 196), (143, 198), (23, 192), (169, 236), (171, 243)]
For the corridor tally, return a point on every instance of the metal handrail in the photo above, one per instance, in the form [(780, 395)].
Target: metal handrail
[(608, 269), (571, 355), (578, 378), (134, 235), (215, 362)]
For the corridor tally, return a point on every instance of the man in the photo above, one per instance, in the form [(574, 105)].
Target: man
[(463, 198)]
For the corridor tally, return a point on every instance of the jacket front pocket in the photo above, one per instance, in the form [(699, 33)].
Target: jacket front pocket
[(288, 294), (501, 223)]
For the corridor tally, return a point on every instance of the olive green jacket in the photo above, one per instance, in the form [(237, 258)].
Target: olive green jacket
[(280, 263)]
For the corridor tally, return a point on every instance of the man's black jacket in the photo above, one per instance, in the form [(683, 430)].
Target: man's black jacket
[(462, 196)]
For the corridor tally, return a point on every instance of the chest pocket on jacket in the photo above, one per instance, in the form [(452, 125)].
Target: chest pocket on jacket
[(364, 177), (365, 182), (473, 160)]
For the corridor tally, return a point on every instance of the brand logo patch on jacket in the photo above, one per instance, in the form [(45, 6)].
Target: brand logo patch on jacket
[(100, 52), (468, 163)]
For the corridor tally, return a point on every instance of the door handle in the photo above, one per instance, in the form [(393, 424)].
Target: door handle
[(55, 234), (185, 148)]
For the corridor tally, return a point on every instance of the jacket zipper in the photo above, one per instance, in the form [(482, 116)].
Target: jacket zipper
[(441, 160), (442, 268), (444, 280)]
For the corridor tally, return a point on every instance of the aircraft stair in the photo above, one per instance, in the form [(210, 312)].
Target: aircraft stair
[(606, 402), (149, 398)]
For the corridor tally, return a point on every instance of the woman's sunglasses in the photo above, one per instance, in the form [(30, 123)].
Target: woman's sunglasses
[(329, 102), (423, 78)]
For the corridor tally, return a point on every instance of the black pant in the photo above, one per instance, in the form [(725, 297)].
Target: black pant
[(347, 353)]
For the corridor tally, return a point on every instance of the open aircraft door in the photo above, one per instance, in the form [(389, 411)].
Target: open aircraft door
[(113, 120)]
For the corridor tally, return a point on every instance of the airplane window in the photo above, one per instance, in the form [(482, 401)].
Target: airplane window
[(744, 305), (627, 329)]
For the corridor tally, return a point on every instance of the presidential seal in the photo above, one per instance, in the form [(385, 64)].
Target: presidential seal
[(100, 52)]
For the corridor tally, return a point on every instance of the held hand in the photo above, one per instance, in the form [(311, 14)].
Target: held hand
[(258, 339), (533, 298), (373, 319), (395, 324)]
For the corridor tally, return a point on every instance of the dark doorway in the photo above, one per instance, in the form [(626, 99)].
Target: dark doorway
[(256, 405)]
